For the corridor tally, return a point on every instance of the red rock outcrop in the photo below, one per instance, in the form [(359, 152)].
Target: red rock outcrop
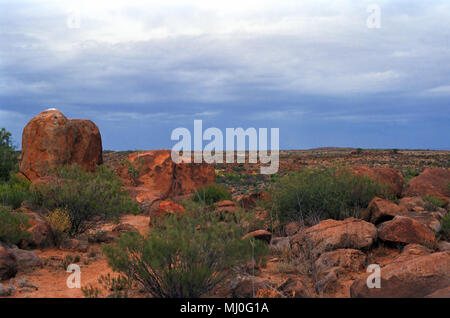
[(431, 182), (158, 177), (51, 139), (388, 176)]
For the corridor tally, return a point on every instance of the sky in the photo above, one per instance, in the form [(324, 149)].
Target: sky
[(313, 68)]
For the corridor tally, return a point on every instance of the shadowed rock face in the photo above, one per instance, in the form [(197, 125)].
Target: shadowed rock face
[(51, 139)]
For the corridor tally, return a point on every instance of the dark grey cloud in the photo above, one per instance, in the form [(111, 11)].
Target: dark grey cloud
[(315, 71)]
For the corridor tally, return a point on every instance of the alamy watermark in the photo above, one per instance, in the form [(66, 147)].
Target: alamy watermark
[(374, 279), (74, 279), (213, 152), (374, 19)]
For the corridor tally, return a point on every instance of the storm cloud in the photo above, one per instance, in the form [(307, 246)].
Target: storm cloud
[(312, 68)]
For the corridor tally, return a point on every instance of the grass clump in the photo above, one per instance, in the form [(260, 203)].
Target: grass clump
[(211, 194), (432, 203), (59, 223), (13, 226), (84, 195), (445, 227), (183, 255), (316, 194), (14, 191)]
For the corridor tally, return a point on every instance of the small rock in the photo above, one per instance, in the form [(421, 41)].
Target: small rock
[(25, 259), (294, 288), (405, 230), (262, 235), (8, 266), (380, 210), (280, 244)]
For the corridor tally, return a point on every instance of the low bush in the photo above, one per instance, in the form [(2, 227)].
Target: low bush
[(14, 191), (315, 194), (185, 255), (409, 173), (13, 226), (84, 195), (211, 194)]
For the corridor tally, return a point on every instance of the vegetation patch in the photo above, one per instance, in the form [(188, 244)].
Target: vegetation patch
[(211, 194), (84, 195), (316, 194), (13, 226), (184, 256)]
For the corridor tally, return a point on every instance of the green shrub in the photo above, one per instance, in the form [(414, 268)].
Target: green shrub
[(183, 256), (445, 227), (14, 192), (84, 195), (133, 170), (315, 194), (13, 226), (8, 155), (211, 194), (433, 202)]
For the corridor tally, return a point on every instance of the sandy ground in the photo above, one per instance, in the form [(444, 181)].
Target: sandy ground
[(51, 279)]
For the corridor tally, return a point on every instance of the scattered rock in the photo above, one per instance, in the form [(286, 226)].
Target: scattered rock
[(40, 233), (327, 283), (249, 287), (124, 227), (280, 244), (98, 236), (391, 177), (50, 140), (6, 291), (432, 220), (163, 208), (443, 246), (8, 266), (26, 260), (440, 293), (343, 259), (405, 230), (294, 288), (431, 182), (412, 202), (225, 206), (248, 201), (82, 246), (380, 210), (262, 235), (23, 283), (292, 228), (330, 235), (416, 277)]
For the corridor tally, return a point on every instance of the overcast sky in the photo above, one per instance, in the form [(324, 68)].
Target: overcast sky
[(312, 68)]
